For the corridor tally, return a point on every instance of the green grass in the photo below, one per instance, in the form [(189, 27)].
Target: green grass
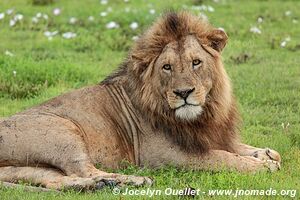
[(267, 83)]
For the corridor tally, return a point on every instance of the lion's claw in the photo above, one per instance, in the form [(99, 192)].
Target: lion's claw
[(100, 185)]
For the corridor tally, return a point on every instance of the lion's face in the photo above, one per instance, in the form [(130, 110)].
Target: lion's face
[(174, 77), (185, 77), (177, 72)]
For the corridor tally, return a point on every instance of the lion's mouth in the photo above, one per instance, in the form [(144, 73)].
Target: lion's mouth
[(188, 111), (187, 104)]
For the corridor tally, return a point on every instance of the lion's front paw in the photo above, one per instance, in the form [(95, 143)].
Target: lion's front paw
[(267, 154), (120, 179), (134, 180), (256, 165), (272, 165)]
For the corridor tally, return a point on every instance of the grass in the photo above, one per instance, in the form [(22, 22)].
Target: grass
[(265, 76)]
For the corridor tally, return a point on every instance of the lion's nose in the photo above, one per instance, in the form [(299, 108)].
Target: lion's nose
[(183, 93)]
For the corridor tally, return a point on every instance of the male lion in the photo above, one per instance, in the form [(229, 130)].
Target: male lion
[(170, 102)]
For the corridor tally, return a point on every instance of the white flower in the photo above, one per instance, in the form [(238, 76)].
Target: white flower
[(295, 21), (152, 11), (35, 20), (203, 17), (91, 18), (72, 20), (210, 9), (10, 11), (260, 20), (56, 11), (283, 44), (134, 25), (135, 38), (288, 13), (127, 9), (126, 1), (109, 9), (39, 15), (2, 15), (69, 35), (45, 16), (103, 14), (8, 53), (18, 17), (112, 24), (49, 34), (15, 73), (103, 2), (202, 7), (12, 22), (285, 41), (255, 30)]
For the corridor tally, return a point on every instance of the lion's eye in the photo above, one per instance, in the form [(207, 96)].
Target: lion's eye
[(197, 63), (167, 67)]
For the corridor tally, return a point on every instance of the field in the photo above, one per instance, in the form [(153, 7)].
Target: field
[(262, 58)]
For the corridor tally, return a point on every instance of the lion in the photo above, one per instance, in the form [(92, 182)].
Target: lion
[(169, 102)]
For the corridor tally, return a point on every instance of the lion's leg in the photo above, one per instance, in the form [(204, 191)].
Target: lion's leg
[(53, 141), (263, 154), (218, 159), (47, 177), (88, 170), (160, 150)]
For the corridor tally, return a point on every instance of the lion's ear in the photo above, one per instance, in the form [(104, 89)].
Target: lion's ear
[(217, 39), (138, 64), (142, 67)]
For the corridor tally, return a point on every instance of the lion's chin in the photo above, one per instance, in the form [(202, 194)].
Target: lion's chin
[(188, 112)]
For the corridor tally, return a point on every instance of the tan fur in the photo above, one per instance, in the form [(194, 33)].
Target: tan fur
[(145, 113)]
